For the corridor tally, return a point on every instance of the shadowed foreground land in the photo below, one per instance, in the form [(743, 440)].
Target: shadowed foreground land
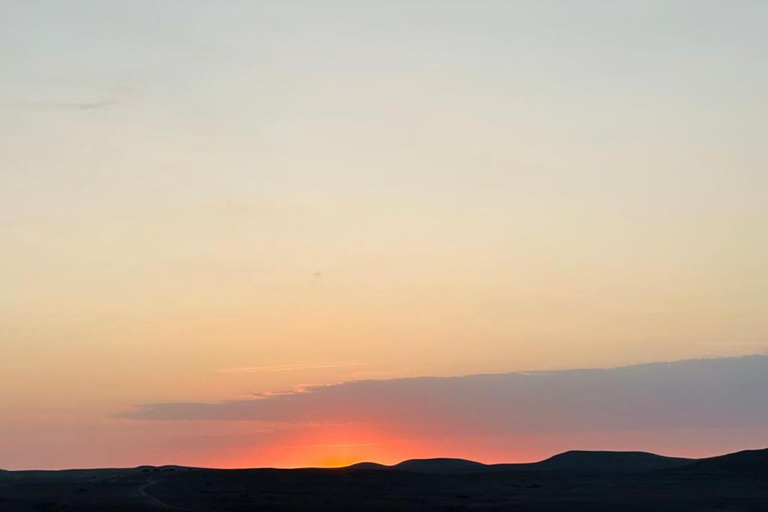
[(573, 482)]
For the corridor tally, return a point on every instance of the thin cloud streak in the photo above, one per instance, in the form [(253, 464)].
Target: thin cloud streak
[(288, 367), (113, 96), (70, 105)]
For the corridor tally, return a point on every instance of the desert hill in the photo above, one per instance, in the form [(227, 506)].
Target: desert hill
[(577, 481), (747, 462), (569, 461)]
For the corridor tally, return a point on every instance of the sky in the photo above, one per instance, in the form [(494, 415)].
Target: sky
[(253, 232)]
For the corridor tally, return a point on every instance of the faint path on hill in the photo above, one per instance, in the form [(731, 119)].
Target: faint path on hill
[(151, 499)]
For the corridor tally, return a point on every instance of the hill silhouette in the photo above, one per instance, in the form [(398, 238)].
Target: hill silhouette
[(576, 481), (367, 466), (747, 462), (576, 460), (440, 466), (610, 461)]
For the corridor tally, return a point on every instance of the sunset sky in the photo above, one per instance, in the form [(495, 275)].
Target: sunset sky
[(299, 232)]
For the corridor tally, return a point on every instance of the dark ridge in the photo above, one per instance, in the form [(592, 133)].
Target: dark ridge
[(439, 466), (748, 462), (609, 461), (573, 481), (367, 466), (572, 461)]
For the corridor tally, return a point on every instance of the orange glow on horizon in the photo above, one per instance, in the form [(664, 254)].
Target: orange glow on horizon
[(334, 446), (325, 446), (342, 445)]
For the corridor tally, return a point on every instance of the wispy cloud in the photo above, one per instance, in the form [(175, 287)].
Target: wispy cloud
[(289, 367), (81, 101), (70, 105)]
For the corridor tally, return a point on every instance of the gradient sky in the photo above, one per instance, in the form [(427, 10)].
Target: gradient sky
[(207, 201)]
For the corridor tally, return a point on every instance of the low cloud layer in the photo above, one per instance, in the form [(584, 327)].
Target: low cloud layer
[(728, 393)]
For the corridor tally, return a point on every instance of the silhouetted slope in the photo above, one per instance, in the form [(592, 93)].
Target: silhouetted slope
[(439, 466), (572, 481), (744, 462), (367, 466), (609, 461), (568, 461)]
